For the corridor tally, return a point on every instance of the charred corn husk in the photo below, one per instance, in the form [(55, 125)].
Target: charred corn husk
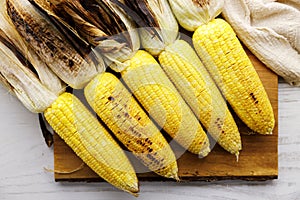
[(137, 67), (185, 70), (50, 44), (8, 32), (103, 25), (227, 62), (127, 120), (22, 82), (70, 119)]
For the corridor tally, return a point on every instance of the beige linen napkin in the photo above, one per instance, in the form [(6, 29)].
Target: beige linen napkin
[(271, 30)]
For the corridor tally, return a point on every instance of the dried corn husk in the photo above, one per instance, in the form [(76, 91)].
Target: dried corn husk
[(22, 82), (271, 30), (110, 32), (51, 44), (192, 14), (156, 18), (46, 75)]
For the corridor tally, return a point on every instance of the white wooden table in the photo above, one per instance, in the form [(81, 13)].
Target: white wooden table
[(24, 156)]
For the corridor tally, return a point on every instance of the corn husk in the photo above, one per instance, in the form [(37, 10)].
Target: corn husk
[(51, 45), (193, 13), (159, 27), (46, 75), (104, 25), (23, 83)]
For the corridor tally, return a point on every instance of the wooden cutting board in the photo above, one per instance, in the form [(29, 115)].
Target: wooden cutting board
[(257, 161)]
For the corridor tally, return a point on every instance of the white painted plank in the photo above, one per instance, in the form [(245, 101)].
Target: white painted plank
[(24, 155)]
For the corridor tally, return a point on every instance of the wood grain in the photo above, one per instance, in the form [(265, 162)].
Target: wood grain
[(257, 161)]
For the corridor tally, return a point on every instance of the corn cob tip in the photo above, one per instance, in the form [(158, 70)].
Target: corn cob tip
[(269, 132), (133, 189), (237, 156), (204, 151), (175, 176)]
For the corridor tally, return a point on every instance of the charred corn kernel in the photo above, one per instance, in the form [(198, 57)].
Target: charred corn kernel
[(185, 70), (91, 142), (232, 70), (116, 106), (159, 97)]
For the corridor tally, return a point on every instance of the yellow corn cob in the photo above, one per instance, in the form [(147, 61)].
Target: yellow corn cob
[(183, 67), (91, 142), (159, 97), (66, 114), (184, 125), (232, 70), (122, 114)]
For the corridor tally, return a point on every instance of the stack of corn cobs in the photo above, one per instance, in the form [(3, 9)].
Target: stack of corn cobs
[(48, 44)]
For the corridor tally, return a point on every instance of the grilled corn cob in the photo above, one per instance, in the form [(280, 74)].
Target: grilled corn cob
[(227, 62), (120, 111), (40, 33), (185, 70), (137, 67), (160, 98), (91, 142), (69, 118)]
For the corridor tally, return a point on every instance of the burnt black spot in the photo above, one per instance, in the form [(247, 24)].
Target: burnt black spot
[(256, 102), (51, 46), (253, 96), (126, 115), (71, 63), (139, 118), (110, 98), (150, 150)]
